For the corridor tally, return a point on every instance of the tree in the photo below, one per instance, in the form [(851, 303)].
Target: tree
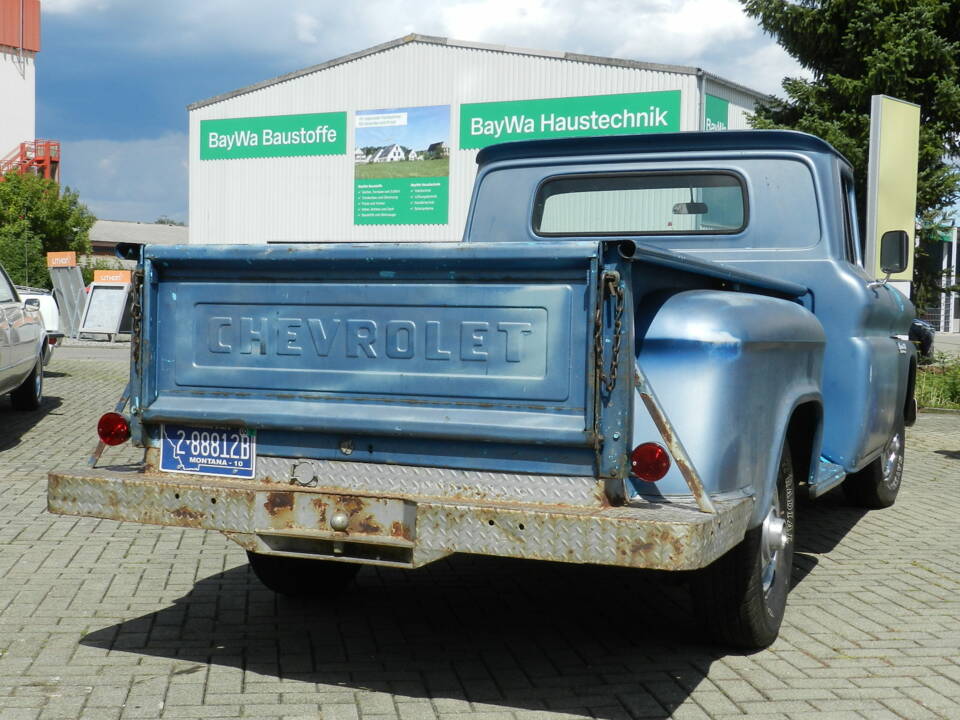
[(165, 220), (908, 49), (36, 217)]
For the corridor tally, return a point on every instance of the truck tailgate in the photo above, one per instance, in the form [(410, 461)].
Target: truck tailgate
[(457, 341)]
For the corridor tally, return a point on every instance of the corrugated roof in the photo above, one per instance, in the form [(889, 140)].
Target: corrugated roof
[(117, 231), (433, 40)]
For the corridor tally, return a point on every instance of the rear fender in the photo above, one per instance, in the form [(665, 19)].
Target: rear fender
[(730, 369)]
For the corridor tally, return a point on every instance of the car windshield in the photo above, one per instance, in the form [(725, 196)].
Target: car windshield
[(641, 204)]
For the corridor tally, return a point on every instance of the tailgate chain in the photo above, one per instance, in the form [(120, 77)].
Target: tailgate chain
[(609, 286)]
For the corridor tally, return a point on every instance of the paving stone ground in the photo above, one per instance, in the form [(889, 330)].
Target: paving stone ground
[(104, 620)]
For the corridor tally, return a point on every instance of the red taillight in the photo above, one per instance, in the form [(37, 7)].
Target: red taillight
[(52, 340), (113, 429), (649, 462)]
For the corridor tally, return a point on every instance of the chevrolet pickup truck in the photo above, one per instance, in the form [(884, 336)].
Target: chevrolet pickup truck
[(642, 353)]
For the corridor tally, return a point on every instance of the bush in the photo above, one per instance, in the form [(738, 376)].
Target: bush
[(938, 384)]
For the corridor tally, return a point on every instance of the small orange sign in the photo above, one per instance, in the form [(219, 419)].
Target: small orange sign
[(61, 259), (112, 276)]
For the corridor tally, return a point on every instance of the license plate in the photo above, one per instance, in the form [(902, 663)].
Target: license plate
[(230, 452)]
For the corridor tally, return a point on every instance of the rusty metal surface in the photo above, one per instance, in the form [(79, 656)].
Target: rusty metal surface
[(404, 531), (673, 443), (410, 480)]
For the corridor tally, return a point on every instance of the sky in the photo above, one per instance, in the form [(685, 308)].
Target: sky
[(114, 77)]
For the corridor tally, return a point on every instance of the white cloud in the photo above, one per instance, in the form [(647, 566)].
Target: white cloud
[(305, 32), (129, 180), (306, 27)]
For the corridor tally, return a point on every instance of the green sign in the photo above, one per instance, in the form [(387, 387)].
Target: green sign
[(716, 114), (401, 201), (274, 136), (483, 124)]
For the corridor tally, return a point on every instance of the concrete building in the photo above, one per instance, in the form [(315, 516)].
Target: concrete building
[(381, 144)]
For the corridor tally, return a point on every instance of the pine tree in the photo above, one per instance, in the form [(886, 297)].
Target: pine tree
[(908, 49)]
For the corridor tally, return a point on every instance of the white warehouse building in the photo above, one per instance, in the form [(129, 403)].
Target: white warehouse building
[(381, 145)]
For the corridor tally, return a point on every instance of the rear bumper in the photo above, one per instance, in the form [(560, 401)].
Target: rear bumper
[(401, 530)]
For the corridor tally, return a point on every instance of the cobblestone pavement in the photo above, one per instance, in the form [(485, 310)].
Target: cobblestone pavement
[(105, 620)]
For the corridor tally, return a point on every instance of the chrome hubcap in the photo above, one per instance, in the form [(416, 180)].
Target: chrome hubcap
[(891, 460), (774, 540)]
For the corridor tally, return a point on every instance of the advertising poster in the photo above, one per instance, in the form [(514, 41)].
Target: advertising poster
[(483, 124), (402, 166)]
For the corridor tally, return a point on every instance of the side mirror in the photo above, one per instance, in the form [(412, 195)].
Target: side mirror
[(894, 252), (894, 255), (31, 304)]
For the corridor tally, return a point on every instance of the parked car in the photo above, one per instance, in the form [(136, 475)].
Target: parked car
[(22, 347), (50, 310), (922, 334)]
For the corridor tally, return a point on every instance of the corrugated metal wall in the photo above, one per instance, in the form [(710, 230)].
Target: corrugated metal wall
[(311, 198)]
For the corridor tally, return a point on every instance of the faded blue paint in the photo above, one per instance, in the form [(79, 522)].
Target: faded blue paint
[(794, 238), (480, 354)]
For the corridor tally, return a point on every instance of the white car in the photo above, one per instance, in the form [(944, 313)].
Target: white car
[(23, 341), (50, 311)]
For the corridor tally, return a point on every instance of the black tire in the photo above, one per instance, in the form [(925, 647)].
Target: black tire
[(877, 485), (741, 597), (302, 577), (30, 393)]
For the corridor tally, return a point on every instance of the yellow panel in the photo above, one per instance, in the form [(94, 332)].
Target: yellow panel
[(896, 154)]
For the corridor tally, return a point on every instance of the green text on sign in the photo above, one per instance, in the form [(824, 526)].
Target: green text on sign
[(483, 124), (274, 136), (401, 201)]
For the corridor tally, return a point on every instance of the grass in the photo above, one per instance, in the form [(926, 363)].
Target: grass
[(938, 384), (439, 167)]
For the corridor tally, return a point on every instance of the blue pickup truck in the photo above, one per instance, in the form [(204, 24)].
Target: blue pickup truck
[(645, 350)]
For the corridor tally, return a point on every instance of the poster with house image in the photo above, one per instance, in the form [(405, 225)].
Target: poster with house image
[(402, 166)]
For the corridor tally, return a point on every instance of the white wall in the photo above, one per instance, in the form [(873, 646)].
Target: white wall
[(17, 99), (311, 198)]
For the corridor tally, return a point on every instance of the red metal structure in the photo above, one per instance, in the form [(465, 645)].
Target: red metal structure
[(41, 157)]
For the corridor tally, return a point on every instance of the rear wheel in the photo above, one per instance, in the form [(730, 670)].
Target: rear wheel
[(301, 577), (877, 485), (30, 393), (742, 596)]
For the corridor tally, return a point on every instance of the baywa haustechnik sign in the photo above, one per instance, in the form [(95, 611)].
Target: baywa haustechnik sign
[(402, 155)]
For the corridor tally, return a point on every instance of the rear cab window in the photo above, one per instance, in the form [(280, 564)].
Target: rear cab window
[(686, 203)]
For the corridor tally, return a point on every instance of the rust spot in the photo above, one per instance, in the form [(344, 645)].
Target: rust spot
[(187, 514), (277, 502), (351, 505), (367, 526), (399, 530), (600, 495), (321, 507)]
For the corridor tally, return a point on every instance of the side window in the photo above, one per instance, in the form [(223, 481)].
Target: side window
[(851, 245), (6, 289)]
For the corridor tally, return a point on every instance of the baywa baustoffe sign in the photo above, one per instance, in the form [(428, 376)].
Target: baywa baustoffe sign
[(274, 136), (483, 124)]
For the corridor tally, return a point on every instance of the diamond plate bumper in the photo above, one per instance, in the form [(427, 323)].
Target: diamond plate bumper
[(403, 530)]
